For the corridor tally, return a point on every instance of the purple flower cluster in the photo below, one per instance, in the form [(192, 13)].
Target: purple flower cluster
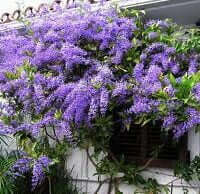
[(22, 166), (39, 166), (162, 24), (54, 73), (69, 70), (25, 164), (196, 92), (157, 62), (192, 121)]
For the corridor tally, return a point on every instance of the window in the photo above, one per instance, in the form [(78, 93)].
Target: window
[(141, 144)]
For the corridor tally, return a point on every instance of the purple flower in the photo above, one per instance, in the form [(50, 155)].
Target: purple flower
[(73, 55), (163, 24), (38, 170), (193, 120), (138, 72), (169, 121), (142, 105), (63, 129), (153, 35), (196, 91), (21, 166), (121, 89), (170, 90), (94, 107), (193, 65), (104, 100), (69, 70), (150, 83)]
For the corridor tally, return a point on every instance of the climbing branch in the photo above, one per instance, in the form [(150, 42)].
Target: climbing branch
[(100, 185), (110, 186), (146, 164), (54, 132), (50, 136), (90, 158)]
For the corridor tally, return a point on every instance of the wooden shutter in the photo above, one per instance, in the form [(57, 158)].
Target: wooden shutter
[(138, 144)]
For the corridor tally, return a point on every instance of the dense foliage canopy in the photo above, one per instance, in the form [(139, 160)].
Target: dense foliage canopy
[(62, 74)]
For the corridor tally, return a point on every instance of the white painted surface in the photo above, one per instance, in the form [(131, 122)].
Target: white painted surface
[(83, 173), (194, 143)]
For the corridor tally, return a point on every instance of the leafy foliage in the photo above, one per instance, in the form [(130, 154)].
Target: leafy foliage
[(7, 185), (188, 172), (61, 183), (75, 79)]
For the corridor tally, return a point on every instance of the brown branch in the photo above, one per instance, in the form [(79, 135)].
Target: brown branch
[(90, 158), (116, 184), (50, 187), (55, 139), (104, 181), (45, 129), (110, 154), (174, 180), (110, 186), (113, 157), (100, 184), (54, 132), (146, 165), (151, 159)]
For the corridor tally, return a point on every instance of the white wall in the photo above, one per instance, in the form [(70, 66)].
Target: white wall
[(83, 173)]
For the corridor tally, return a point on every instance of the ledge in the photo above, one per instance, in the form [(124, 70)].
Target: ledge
[(181, 11), (154, 8)]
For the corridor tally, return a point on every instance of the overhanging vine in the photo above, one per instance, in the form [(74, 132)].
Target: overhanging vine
[(76, 79)]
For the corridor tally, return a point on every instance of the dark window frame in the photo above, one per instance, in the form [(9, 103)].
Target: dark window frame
[(136, 147)]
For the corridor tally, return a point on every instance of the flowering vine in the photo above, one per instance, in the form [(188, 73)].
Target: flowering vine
[(90, 71)]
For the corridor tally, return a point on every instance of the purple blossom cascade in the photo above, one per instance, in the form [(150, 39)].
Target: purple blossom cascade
[(64, 73)]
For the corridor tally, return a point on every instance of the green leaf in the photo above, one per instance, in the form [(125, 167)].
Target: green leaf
[(97, 85), (145, 122), (139, 120), (6, 119), (162, 95), (162, 108), (118, 192), (12, 76), (58, 114), (172, 80), (166, 190)]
